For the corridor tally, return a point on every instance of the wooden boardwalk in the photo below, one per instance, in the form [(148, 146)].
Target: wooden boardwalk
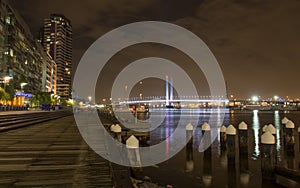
[(51, 154)]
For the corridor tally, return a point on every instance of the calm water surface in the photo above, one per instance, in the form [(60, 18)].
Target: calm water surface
[(213, 168)]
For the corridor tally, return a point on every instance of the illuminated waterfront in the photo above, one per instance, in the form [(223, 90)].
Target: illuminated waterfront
[(215, 171)]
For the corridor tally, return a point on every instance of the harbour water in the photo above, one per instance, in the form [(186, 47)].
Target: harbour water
[(214, 167)]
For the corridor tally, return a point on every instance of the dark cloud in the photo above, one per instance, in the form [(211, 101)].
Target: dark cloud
[(257, 42)]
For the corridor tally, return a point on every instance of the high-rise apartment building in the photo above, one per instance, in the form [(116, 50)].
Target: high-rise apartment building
[(21, 57), (57, 41), (49, 75)]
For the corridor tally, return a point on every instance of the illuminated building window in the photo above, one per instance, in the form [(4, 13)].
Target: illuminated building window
[(11, 52), (8, 20)]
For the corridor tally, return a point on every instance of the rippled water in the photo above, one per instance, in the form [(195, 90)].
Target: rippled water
[(218, 167)]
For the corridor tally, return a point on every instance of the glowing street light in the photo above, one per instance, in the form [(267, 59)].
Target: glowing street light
[(6, 80), (255, 98), (276, 97), (23, 84)]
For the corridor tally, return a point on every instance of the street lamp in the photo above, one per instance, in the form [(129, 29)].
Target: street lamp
[(22, 85), (6, 80)]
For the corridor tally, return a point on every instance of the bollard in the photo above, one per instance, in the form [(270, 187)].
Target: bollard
[(206, 132), (289, 141), (268, 157), (132, 145), (118, 132), (243, 137), (289, 137), (189, 132), (231, 151), (112, 127), (207, 140), (207, 166), (271, 129), (205, 127), (223, 137), (112, 130), (132, 142), (243, 126), (264, 129), (243, 146), (284, 122), (231, 132), (289, 128), (189, 167)]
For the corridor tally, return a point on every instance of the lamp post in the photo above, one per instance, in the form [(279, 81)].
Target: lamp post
[(22, 85), (6, 80)]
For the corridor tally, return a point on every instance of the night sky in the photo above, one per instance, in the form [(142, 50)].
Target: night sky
[(256, 42)]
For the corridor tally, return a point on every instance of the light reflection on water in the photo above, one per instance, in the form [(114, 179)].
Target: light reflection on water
[(256, 127), (277, 126), (193, 167), (167, 127)]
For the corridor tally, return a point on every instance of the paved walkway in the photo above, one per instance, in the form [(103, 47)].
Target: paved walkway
[(21, 112), (51, 154)]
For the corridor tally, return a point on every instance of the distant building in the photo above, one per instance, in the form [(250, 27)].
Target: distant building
[(57, 41), (21, 57), (49, 75)]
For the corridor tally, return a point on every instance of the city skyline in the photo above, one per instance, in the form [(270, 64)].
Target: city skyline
[(31, 65), (256, 42), (149, 93)]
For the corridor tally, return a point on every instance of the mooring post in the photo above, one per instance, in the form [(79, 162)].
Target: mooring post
[(243, 146), (189, 148), (223, 137), (231, 152), (268, 156)]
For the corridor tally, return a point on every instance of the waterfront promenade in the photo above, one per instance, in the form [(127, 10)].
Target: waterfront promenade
[(50, 154), (3, 113)]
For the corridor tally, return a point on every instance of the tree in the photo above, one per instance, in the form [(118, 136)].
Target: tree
[(4, 95), (10, 89), (40, 98)]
